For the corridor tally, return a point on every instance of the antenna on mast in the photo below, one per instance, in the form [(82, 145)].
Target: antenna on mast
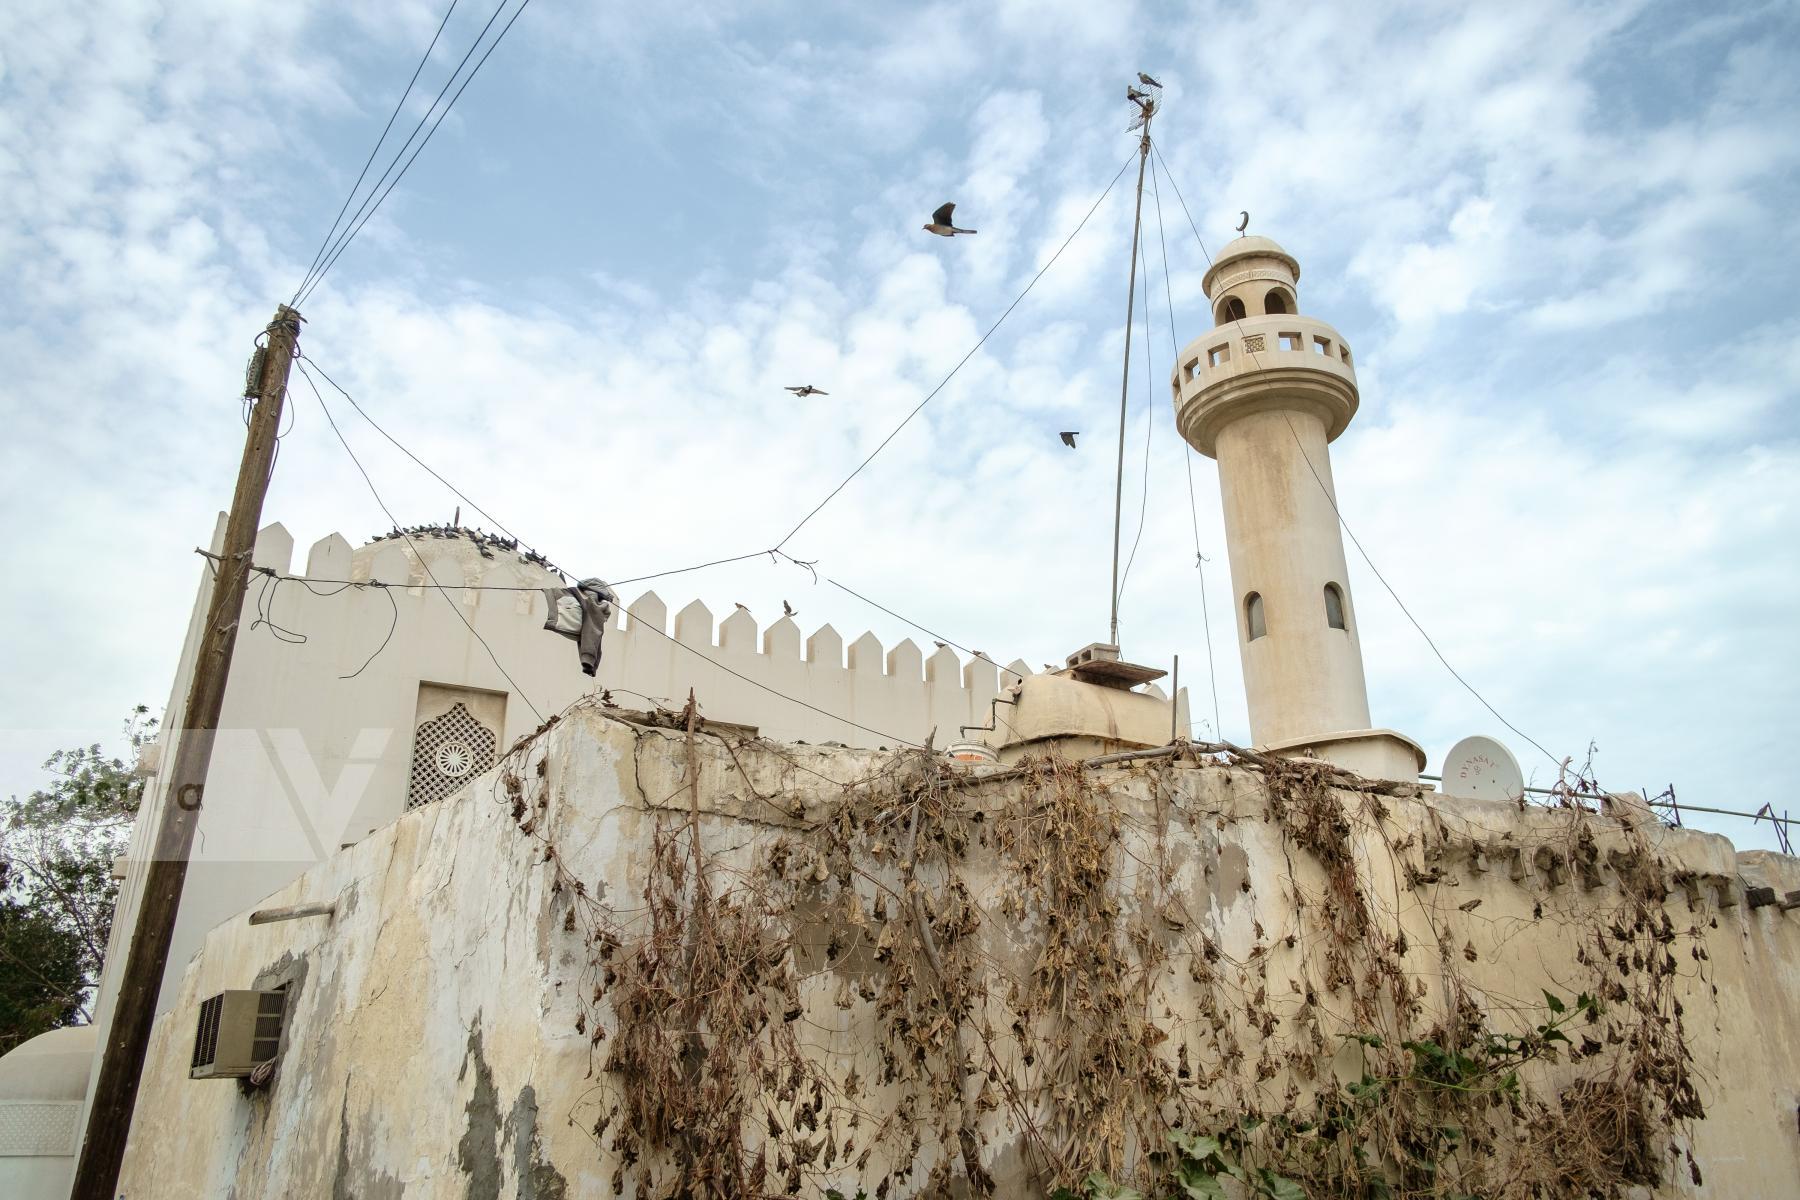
[(1147, 101), (1100, 662)]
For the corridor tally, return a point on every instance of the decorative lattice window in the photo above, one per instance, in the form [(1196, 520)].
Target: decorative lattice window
[(1253, 343), (448, 752)]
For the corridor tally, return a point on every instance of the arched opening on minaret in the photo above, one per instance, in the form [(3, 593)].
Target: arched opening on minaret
[(1231, 309), (1277, 303), (1253, 616), (1334, 607)]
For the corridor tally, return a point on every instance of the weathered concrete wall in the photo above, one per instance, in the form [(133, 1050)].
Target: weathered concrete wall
[(434, 1045)]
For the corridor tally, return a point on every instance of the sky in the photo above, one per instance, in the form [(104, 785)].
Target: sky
[(1559, 236)]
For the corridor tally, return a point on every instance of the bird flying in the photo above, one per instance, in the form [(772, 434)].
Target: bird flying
[(1068, 438), (941, 222), (806, 389), (787, 610), (1147, 81), (1244, 223)]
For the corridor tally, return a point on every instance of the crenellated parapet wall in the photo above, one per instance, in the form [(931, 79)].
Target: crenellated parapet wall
[(791, 685), (318, 739)]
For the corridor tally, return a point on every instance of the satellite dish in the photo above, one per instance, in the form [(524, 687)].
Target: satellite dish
[(1479, 768)]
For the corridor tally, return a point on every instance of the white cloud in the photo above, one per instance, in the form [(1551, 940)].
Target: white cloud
[(1575, 462)]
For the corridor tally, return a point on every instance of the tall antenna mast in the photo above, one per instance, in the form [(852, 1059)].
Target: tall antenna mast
[(1147, 102)]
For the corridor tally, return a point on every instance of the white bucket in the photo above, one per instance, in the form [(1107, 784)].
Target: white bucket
[(971, 752)]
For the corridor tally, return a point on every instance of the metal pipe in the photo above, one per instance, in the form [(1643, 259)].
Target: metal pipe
[(293, 912)]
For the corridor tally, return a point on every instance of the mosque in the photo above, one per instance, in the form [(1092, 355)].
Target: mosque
[(348, 763)]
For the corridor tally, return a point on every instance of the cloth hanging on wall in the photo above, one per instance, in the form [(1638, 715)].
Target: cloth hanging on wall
[(581, 614)]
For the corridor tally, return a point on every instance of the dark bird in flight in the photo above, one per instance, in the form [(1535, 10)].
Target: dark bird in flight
[(807, 389), (787, 610), (1244, 223), (1068, 438), (941, 222), (1147, 81)]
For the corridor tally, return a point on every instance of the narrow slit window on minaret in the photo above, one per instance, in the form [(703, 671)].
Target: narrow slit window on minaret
[(1253, 616), (1334, 607)]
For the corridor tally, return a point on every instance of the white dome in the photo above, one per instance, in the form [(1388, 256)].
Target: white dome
[(51, 1066), (457, 556)]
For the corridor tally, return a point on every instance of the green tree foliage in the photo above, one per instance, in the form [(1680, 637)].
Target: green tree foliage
[(57, 846)]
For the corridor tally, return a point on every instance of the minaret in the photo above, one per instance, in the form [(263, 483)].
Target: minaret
[(1265, 392)]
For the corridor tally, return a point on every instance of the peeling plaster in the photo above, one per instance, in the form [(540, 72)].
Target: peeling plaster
[(534, 1178), (478, 1151)]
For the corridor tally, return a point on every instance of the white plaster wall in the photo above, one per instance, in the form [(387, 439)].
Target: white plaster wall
[(306, 760), (432, 1036)]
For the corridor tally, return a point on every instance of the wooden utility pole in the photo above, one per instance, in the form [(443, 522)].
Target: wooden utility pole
[(147, 955)]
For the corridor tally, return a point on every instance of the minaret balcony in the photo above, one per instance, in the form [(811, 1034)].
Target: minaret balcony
[(1259, 364)]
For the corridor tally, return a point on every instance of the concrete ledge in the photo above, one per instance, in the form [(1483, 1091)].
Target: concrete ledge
[(1371, 753)]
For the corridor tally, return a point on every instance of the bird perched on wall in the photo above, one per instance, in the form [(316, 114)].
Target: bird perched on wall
[(1068, 437), (1244, 222), (941, 222), (806, 389), (1148, 82), (742, 608), (939, 645), (787, 610)]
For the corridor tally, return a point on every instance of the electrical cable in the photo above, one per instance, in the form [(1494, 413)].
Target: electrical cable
[(1376, 571), (1354, 540), (382, 504), (498, 524), (398, 105), (976, 654), (959, 366), (343, 243), (426, 467), (652, 626), (1149, 430), (1187, 453)]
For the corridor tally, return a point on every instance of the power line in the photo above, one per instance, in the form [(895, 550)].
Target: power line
[(1149, 431), (498, 524), (651, 625), (1351, 533), (398, 105), (276, 577), (959, 366), (1187, 451), (976, 654), (382, 504), (307, 287), (458, 492), (1355, 541)]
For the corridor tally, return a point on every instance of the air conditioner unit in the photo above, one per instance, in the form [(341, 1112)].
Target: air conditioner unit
[(237, 1032)]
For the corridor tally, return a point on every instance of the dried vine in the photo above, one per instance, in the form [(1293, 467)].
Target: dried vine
[(926, 977)]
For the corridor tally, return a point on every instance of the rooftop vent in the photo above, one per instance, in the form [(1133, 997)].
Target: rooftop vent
[(238, 1031)]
